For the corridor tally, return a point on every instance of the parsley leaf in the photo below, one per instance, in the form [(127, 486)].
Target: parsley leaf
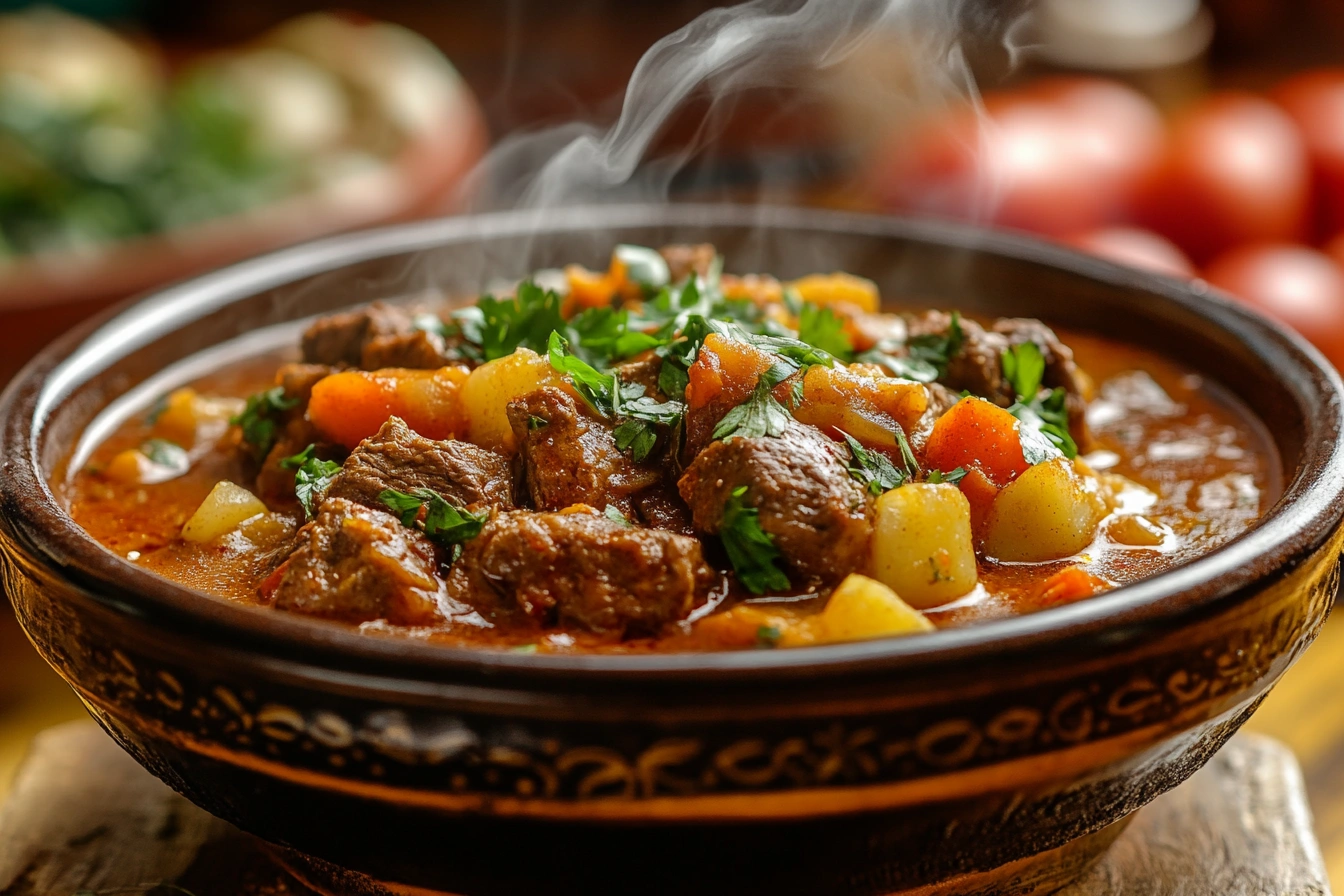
[(1023, 367), (751, 550), (768, 636), (601, 335), (502, 326), (1042, 417), (873, 468), (260, 417), (611, 398), (312, 476), (446, 524), (898, 365), (938, 349), (822, 328), (616, 516), (951, 477), (760, 415)]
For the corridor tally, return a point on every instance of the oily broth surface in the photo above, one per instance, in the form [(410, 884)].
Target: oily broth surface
[(1212, 468)]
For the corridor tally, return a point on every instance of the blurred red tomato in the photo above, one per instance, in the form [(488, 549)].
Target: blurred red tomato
[(1315, 100), (1235, 171), (1135, 247), (1059, 156), (1298, 286)]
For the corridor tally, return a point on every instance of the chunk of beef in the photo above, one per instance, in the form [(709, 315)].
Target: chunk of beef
[(298, 380), (683, 259), (376, 336), (580, 569), (568, 456), (819, 516), (660, 507), (417, 350), (978, 367), (399, 458), (355, 564)]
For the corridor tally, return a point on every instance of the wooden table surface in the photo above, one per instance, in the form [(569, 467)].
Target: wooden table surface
[(1306, 711)]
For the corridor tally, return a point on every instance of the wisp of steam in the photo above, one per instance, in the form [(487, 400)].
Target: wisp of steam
[(894, 55)]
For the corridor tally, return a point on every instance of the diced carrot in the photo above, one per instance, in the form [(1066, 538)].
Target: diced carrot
[(980, 492), (350, 406), (975, 433), (869, 408), (587, 289), (1068, 585)]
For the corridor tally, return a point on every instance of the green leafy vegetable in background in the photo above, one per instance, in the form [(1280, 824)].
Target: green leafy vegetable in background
[(260, 417)]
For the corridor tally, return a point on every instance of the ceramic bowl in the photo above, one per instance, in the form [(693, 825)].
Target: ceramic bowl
[(994, 758)]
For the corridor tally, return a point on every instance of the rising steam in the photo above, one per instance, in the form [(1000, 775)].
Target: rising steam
[(876, 61)]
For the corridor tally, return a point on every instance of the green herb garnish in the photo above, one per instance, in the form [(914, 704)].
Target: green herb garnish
[(768, 636), (613, 514), (502, 326), (443, 523), (760, 415), (1044, 416), (312, 476), (822, 328), (873, 468), (751, 550), (260, 418), (643, 266), (166, 454), (951, 477)]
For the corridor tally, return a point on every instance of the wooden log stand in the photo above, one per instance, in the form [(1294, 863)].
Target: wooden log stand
[(83, 818)]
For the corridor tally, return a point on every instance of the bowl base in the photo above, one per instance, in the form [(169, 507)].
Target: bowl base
[(1038, 875)]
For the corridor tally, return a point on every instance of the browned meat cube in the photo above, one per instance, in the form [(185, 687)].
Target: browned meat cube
[(357, 565), (684, 259), (298, 380), (819, 516), (568, 456), (580, 569), (373, 338), (397, 457), (642, 369)]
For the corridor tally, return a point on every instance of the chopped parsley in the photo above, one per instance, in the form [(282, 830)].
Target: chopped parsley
[(873, 468), (502, 326), (1044, 418), (751, 550), (603, 335), (312, 476), (951, 477), (260, 418), (614, 400), (923, 358), (613, 514), (760, 415), (768, 636), (444, 523), (534, 422), (822, 328)]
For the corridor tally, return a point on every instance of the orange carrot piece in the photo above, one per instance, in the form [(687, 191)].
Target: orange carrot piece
[(350, 406), (975, 433), (722, 377), (1068, 585)]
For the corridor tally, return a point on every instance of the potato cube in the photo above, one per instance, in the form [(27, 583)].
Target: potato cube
[(922, 547), (1047, 513), (865, 608), (221, 512)]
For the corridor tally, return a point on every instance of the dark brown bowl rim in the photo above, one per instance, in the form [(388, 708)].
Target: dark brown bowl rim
[(1308, 512)]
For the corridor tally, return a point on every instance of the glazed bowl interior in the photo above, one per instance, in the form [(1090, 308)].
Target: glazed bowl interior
[(1280, 379)]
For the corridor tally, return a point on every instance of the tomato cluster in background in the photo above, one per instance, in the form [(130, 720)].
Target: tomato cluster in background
[(1242, 189)]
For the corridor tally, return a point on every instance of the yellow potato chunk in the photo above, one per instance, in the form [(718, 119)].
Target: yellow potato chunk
[(489, 389), (864, 608), (1047, 513), (188, 417), (838, 288), (922, 547), (221, 512)]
